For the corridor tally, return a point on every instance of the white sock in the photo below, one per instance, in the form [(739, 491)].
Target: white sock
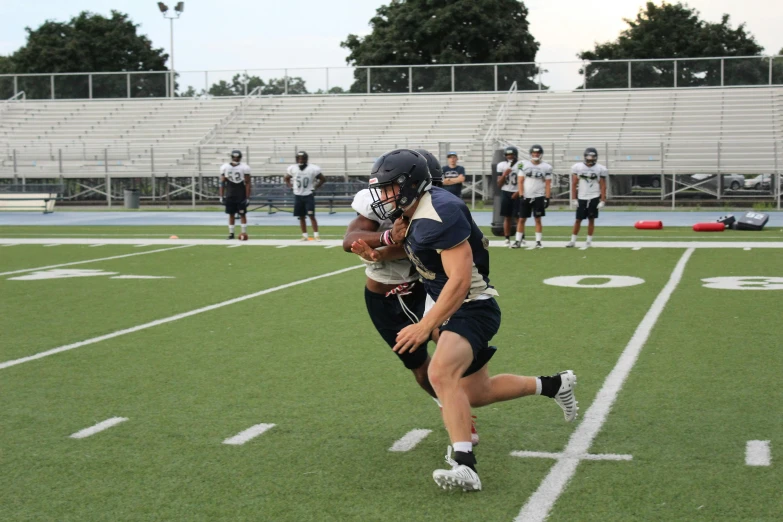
[(538, 236), (589, 239), (464, 447), (231, 229), (244, 228), (519, 236), (304, 235), (538, 385), (573, 238), (315, 234)]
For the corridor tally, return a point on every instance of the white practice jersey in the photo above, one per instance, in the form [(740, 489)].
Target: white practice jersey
[(511, 180), (589, 186), (235, 173), (392, 272), (303, 180), (535, 178)]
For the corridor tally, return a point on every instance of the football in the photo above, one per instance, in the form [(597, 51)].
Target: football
[(243, 236)]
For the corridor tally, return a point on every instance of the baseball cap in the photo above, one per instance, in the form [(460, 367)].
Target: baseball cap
[(452, 153)]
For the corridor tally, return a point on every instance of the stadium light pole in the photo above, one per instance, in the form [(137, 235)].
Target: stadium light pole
[(178, 9)]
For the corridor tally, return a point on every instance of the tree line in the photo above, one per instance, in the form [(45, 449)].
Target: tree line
[(404, 33)]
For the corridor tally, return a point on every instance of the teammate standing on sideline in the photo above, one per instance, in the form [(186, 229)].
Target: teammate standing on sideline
[(453, 175), (589, 180), (235, 185), (507, 181), (533, 194), (442, 240), (302, 178)]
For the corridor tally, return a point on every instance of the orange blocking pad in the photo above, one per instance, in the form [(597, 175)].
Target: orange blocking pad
[(649, 225), (709, 227)]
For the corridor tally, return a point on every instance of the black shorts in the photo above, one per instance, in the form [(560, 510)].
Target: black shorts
[(236, 206), (588, 208), (389, 318), (509, 207), (532, 207), (478, 322), (304, 205)]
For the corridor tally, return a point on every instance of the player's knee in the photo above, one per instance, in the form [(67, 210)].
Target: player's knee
[(442, 376)]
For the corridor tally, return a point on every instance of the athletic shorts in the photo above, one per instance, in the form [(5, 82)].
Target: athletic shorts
[(389, 317), (588, 208), (532, 207), (236, 206), (304, 205), (478, 322), (509, 207)]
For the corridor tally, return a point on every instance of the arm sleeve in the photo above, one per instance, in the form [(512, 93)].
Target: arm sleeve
[(502, 166), (247, 169), (362, 202), (548, 173), (575, 169), (604, 172)]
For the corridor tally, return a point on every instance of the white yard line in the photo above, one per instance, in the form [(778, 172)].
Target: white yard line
[(410, 440), (582, 456), (338, 242), (541, 502), (757, 453), (9, 245), (249, 434), (170, 319), (53, 245), (92, 260), (92, 430)]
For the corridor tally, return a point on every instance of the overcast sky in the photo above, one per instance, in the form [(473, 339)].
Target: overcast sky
[(264, 34)]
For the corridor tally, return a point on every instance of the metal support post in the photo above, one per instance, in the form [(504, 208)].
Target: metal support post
[(722, 63), (663, 176), (538, 70), (108, 179), (496, 77), (89, 86), (584, 75), (168, 192), (15, 165), (368, 80), (675, 74), (193, 191), (720, 176), (152, 177), (286, 81), (16, 85), (452, 78), (410, 79), (51, 85), (345, 161), (770, 70), (60, 160), (327, 80), (629, 74)]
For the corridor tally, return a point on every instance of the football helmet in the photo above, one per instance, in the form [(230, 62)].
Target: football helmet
[(511, 151), (398, 179), (236, 156), (302, 155), (436, 172), (591, 156), (536, 149)]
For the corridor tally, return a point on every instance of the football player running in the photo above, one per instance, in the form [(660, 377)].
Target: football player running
[(449, 251), (507, 182), (235, 190), (305, 179), (393, 294), (534, 194), (589, 180)]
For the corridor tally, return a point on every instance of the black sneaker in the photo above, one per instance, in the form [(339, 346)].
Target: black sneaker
[(230, 236), (539, 245), (516, 244)]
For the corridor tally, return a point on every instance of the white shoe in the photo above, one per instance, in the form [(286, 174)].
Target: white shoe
[(565, 395), (459, 476), (570, 244), (507, 242), (516, 244), (304, 239), (318, 238), (539, 245), (588, 244)]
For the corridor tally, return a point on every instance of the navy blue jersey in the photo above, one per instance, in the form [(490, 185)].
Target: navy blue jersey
[(451, 173), (443, 221)]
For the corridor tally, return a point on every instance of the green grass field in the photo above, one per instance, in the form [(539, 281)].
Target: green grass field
[(307, 359)]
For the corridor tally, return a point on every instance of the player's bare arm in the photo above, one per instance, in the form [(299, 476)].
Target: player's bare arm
[(375, 255), (221, 186), (287, 180), (602, 183), (548, 188), (458, 265), (400, 229), (503, 177), (248, 187), (321, 180), (574, 184), (364, 229)]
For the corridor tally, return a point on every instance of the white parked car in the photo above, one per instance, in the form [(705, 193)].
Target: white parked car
[(760, 182)]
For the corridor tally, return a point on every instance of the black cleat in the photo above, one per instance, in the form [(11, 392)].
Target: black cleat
[(230, 236)]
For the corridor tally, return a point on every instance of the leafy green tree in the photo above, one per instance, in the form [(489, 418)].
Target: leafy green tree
[(675, 31), (429, 32), (90, 43), (236, 87)]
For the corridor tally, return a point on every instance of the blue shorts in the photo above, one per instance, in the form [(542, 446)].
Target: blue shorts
[(478, 322)]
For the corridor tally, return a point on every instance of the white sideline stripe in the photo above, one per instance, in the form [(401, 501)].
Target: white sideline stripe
[(249, 434), (172, 318), (235, 246), (282, 246), (540, 503), (636, 248), (581, 456), (92, 260), (92, 430), (52, 244), (142, 245), (338, 242), (97, 245), (757, 453), (9, 245), (410, 440)]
